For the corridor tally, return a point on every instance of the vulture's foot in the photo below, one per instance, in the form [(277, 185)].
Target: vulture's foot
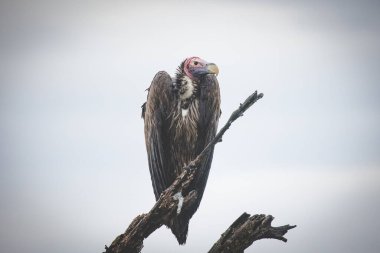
[(178, 196), (190, 167)]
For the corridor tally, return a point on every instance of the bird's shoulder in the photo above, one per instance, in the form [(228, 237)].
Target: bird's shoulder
[(162, 79), (160, 93)]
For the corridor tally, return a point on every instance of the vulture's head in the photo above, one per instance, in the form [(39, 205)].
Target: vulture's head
[(195, 68)]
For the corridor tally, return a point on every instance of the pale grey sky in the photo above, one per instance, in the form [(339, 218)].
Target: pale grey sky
[(73, 163)]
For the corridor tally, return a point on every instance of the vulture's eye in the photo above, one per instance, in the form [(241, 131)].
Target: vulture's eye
[(195, 63)]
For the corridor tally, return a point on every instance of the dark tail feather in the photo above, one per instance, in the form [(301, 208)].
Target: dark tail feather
[(179, 228)]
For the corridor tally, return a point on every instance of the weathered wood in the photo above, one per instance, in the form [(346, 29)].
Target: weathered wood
[(247, 229), (161, 213), (165, 209)]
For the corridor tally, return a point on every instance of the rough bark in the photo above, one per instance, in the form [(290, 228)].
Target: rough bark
[(131, 241), (247, 229)]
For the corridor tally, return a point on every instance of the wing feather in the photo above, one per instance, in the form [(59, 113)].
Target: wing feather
[(156, 111)]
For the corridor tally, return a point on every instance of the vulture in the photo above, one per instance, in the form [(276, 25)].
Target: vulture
[(181, 117)]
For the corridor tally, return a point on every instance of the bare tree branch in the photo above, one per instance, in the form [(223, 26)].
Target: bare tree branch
[(247, 229), (234, 116), (166, 206)]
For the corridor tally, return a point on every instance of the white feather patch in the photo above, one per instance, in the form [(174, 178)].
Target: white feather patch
[(185, 112), (189, 88), (178, 196)]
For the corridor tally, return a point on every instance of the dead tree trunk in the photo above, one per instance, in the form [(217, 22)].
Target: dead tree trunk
[(241, 234)]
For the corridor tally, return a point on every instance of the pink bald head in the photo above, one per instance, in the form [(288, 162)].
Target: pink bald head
[(194, 67)]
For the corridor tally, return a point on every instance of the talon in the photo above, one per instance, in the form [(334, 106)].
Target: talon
[(190, 167), (178, 196)]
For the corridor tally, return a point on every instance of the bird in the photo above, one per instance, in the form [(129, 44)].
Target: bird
[(181, 116)]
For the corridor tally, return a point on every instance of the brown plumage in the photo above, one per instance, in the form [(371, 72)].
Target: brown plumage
[(181, 116)]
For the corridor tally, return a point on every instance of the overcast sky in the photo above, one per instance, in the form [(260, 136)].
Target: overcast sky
[(73, 75)]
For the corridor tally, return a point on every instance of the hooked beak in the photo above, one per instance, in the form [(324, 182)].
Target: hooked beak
[(209, 68), (212, 68)]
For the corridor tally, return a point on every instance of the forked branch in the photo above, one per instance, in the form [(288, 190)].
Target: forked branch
[(247, 229)]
